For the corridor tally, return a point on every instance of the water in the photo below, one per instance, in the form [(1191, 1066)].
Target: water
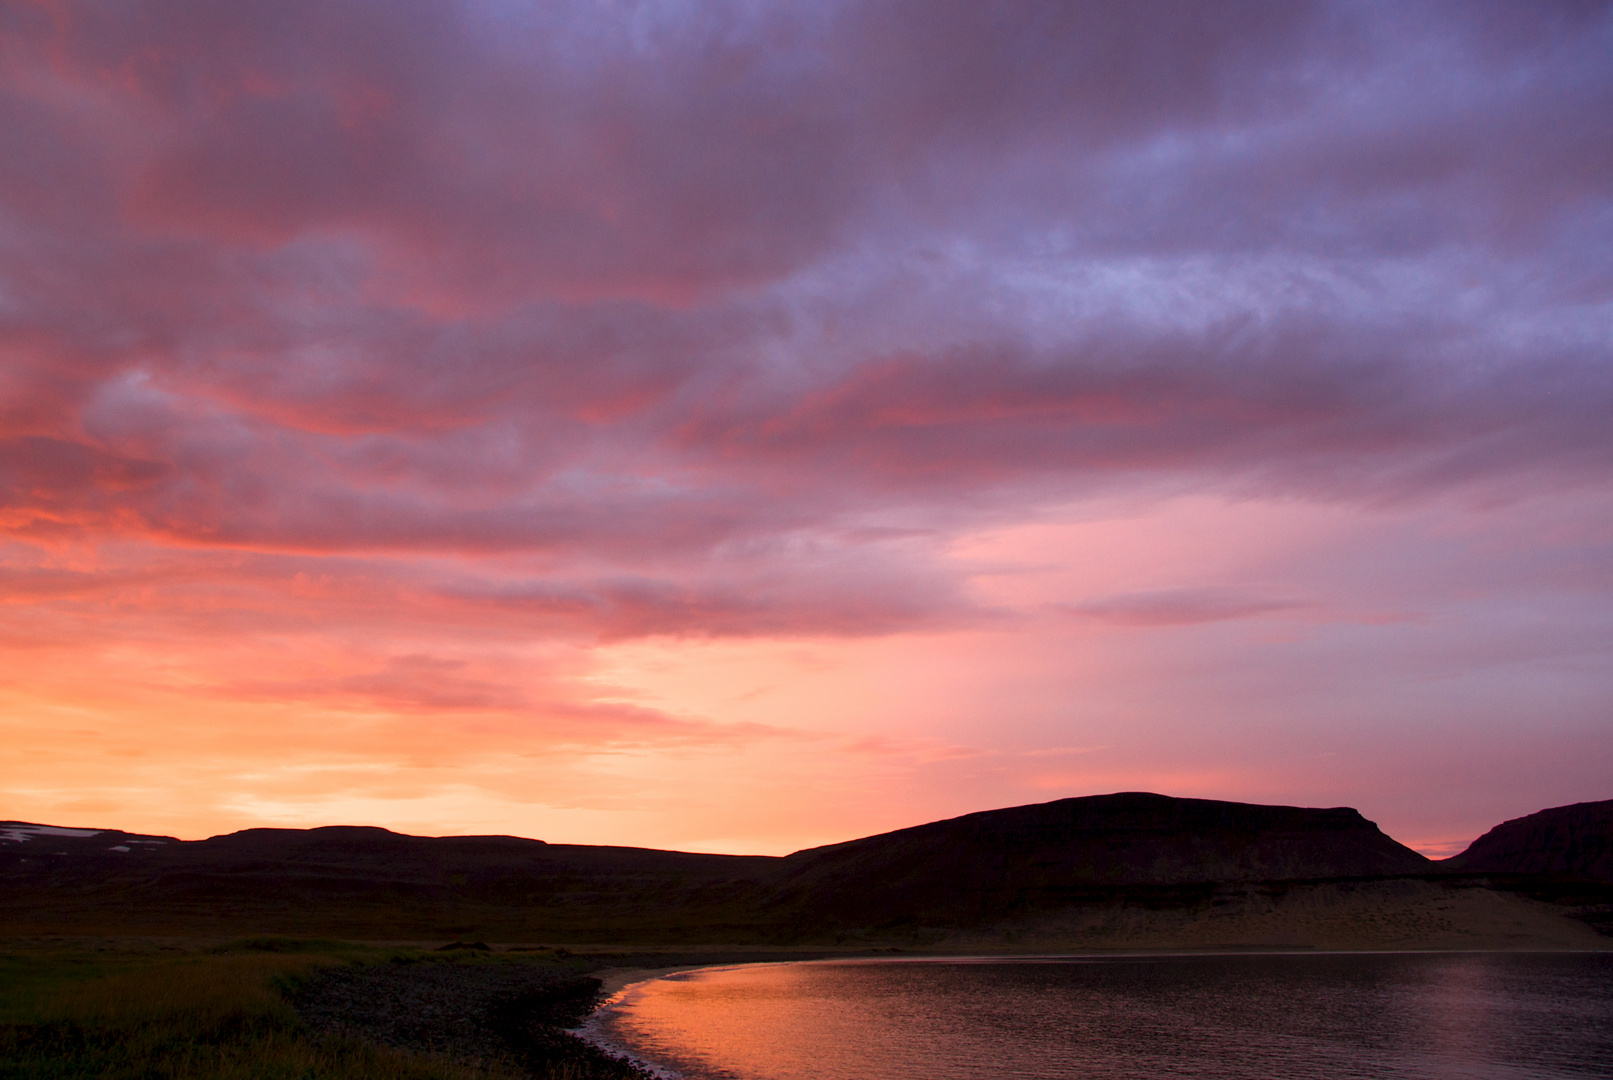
[(1473, 1016)]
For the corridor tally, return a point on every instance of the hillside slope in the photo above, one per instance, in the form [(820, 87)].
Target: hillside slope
[(986, 864), (1573, 841), (356, 881), (1131, 870)]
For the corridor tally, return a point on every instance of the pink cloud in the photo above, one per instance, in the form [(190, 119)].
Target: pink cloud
[(411, 336)]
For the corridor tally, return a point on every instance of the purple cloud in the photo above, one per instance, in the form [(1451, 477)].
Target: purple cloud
[(631, 290)]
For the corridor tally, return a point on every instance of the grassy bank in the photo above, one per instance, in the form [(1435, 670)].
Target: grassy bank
[(222, 1012)]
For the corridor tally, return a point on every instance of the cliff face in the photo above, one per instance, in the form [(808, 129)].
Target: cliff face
[(1574, 841)]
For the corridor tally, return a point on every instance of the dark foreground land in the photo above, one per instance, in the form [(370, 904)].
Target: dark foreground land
[(147, 957), (305, 1010)]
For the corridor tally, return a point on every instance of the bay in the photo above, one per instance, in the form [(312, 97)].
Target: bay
[(1472, 1016)]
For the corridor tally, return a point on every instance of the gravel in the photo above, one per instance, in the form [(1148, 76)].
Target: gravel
[(487, 1013)]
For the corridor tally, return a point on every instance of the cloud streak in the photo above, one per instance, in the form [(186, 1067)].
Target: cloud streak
[(1184, 607)]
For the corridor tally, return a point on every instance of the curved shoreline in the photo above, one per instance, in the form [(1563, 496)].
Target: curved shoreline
[(614, 986), (615, 983)]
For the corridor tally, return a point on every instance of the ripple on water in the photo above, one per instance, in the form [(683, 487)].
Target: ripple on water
[(1443, 1016)]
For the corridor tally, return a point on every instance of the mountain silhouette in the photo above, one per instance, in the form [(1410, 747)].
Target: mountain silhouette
[(1573, 841), (1128, 856)]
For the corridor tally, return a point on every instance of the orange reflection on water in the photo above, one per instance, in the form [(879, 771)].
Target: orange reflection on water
[(1252, 1017)]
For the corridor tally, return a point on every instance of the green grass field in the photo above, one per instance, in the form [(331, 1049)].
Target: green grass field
[(132, 1011)]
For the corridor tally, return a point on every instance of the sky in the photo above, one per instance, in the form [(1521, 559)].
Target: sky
[(745, 426)]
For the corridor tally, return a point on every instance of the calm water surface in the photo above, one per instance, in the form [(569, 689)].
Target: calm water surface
[(1466, 1015)]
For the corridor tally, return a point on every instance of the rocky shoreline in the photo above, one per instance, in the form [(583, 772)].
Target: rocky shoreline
[(496, 1011), (497, 1015)]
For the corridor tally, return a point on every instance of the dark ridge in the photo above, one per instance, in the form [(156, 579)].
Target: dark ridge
[(367, 882), (970, 868), (1126, 851), (1573, 841)]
